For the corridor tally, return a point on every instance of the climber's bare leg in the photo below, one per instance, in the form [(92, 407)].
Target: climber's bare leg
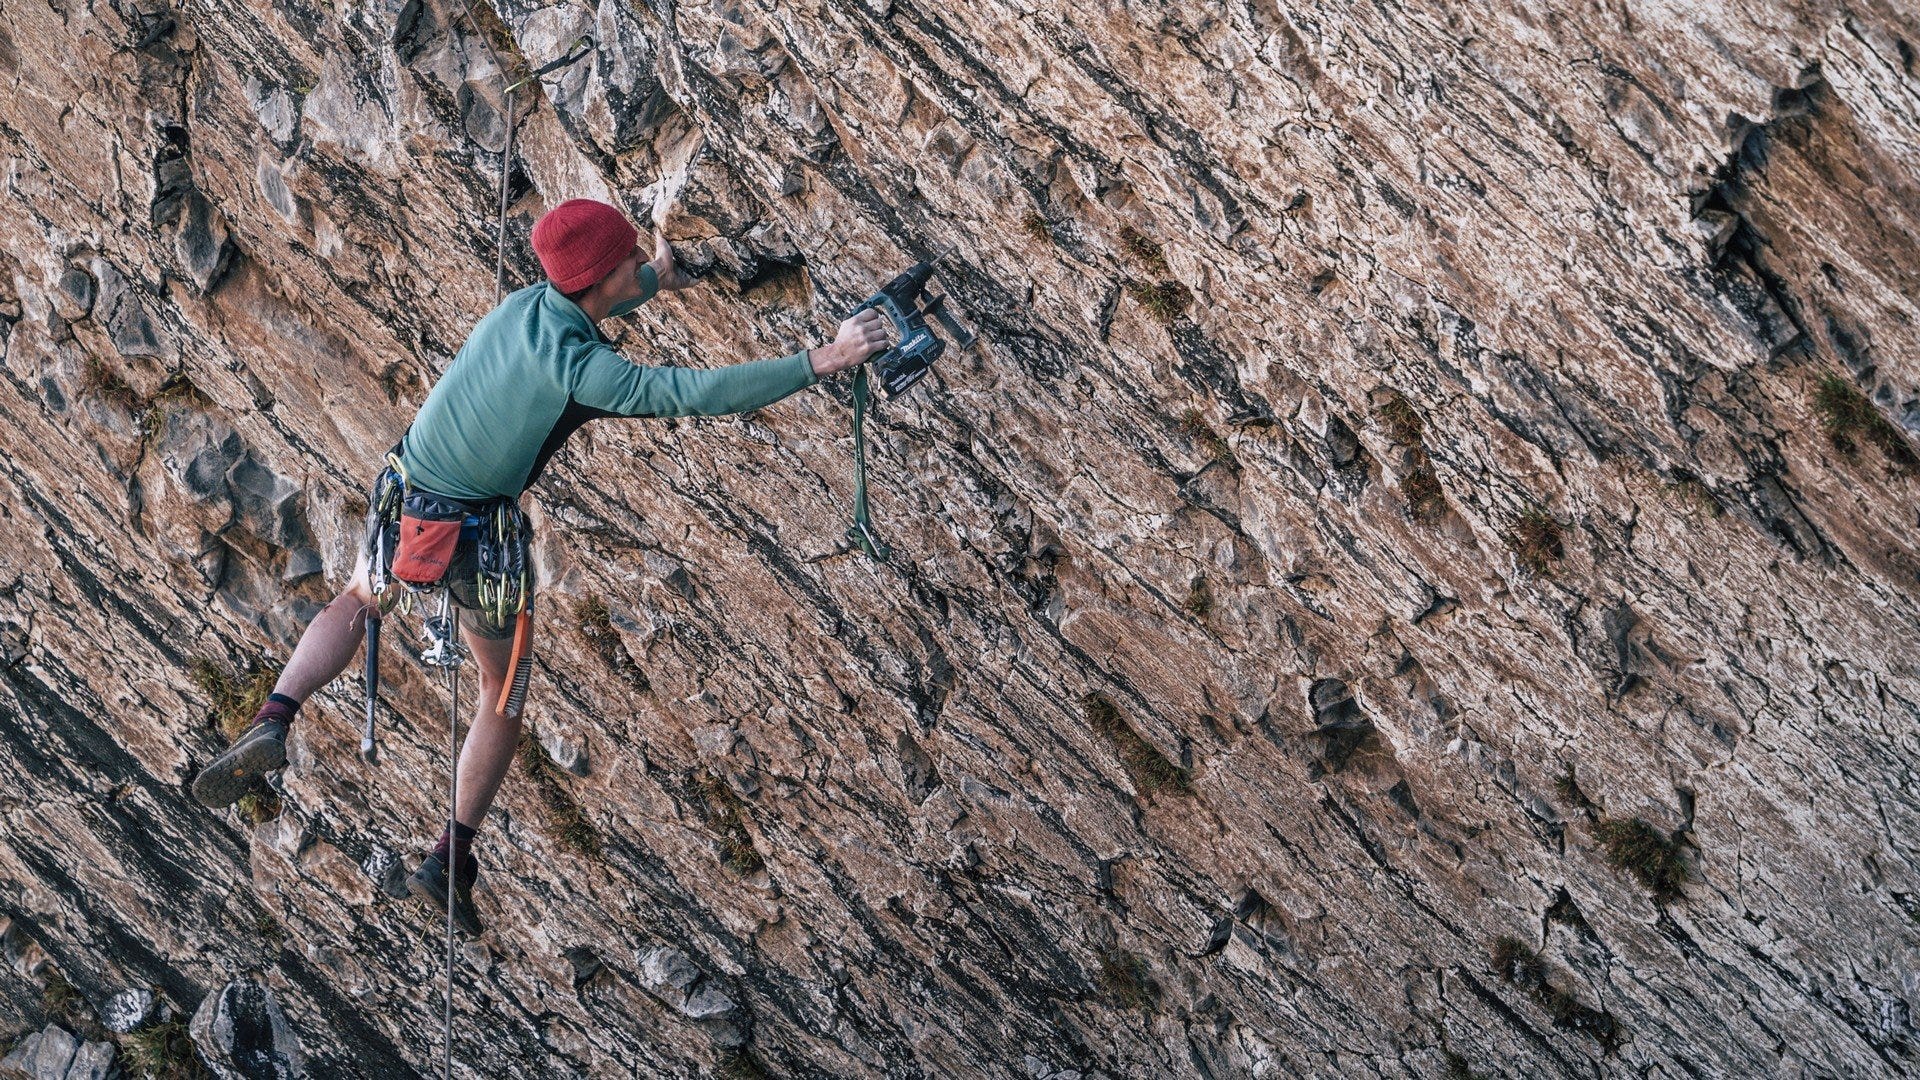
[(493, 740), (331, 640)]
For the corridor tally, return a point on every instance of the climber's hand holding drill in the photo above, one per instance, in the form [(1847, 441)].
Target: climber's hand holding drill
[(860, 337)]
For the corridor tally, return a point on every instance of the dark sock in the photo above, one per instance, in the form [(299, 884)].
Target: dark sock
[(456, 847), (278, 707)]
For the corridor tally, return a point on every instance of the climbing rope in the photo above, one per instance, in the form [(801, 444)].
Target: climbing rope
[(504, 578)]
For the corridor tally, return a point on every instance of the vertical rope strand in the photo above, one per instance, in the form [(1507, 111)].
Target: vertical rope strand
[(453, 809)]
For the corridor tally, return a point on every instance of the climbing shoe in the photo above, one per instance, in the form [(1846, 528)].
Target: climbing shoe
[(258, 752), (429, 883)]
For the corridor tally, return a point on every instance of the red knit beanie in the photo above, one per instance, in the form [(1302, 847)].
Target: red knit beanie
[(581, 241)]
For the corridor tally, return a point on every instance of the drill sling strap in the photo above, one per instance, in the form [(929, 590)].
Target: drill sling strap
[(861, 531)]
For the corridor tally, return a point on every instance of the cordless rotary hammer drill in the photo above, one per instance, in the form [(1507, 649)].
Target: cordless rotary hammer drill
[(899, 369)]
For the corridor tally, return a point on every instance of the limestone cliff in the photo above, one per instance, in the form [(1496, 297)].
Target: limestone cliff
[(1417, 577)]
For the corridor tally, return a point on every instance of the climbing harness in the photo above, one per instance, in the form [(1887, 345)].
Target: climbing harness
[(418, 534), (899, 369)]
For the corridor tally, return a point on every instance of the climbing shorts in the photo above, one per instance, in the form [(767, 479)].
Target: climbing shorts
[(487, 573)]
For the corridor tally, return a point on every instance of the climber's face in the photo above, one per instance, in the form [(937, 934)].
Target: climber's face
[(619, 292), (626, 278)]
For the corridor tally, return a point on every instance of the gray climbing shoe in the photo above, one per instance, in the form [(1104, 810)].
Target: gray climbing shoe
[(429, 883), (262, 749)]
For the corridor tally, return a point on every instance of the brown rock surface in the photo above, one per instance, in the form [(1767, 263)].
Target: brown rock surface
[(1394, 448)]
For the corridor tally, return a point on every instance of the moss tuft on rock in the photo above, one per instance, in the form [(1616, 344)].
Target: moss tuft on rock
[(259, 806), (565, 821), (234, 695)]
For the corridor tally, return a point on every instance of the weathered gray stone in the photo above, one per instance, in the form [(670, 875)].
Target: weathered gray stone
[(73, 299), (53, 1053), (274, 107), (241, 1033), (120, 310), (202, 243), (93, 1061), (273, 189), (568, 752), (127, 1010)]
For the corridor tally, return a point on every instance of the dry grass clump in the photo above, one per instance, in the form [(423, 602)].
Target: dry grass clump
[(1426, 499), (1145, 251), (1402, 423), (727, 816), (59, 997), (1124, 979), (1520, 966), (488, 22), (742, 1066), (1149, 769), (99, 380), (1199, 601), (566, 822), (1195, 427), (163, 1052), (1698, 496), (1568, 788), (1846, 414), (595, 620), (1535, 539), (1166, 301)]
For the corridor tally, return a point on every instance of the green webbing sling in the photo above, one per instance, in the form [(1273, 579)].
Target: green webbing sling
[(861, 531)]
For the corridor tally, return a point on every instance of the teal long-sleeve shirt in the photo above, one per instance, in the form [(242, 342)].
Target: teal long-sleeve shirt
[(534, 370)]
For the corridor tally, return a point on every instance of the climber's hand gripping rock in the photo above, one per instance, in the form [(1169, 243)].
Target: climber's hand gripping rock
[(668, 272)]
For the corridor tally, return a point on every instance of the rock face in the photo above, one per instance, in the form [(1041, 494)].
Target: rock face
[(55, 1054), (1418, 575)]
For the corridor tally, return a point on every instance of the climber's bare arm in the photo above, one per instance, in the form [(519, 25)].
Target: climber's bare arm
[(859, 337)]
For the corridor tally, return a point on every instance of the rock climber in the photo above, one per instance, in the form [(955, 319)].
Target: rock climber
[(530, 374)]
